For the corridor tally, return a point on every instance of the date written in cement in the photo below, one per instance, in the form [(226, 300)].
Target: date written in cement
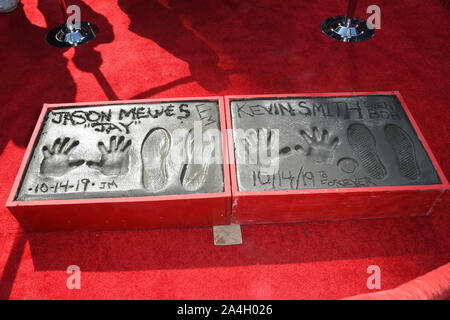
[(233, 309), (80, 185), (301, 178)]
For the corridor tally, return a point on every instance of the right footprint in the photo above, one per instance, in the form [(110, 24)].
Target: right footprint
[(403, 148), (154, 152), (364, 146), (193, 175)]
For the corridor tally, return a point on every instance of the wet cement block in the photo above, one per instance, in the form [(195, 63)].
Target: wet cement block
[(138, 150), (326, 143)]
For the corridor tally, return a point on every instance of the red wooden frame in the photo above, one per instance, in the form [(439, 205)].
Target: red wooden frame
[(331, 204), (188, 210), (232, 205)]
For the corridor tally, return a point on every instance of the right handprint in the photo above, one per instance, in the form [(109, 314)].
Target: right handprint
[(114, 161), (320, 146)]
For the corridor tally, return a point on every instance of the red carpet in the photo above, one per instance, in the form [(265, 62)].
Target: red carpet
[(176, 48), (434, 285)]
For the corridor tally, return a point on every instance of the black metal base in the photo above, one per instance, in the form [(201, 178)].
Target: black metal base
[(63, 36), (354, 30)]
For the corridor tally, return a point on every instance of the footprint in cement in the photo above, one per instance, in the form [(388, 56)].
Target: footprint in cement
[(403, 148), (198, 156), (154, 152), (363, 144)]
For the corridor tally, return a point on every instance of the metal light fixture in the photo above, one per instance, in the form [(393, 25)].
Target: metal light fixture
[(348, 28), (71, 35)]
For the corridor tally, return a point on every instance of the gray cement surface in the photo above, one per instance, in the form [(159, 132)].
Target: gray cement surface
[(123, 150), (328, 142)]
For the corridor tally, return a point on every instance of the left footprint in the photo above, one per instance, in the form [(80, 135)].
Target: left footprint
[(154, 152)]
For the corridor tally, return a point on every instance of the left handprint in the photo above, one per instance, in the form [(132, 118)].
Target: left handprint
[(115, 160), (56, 159)]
